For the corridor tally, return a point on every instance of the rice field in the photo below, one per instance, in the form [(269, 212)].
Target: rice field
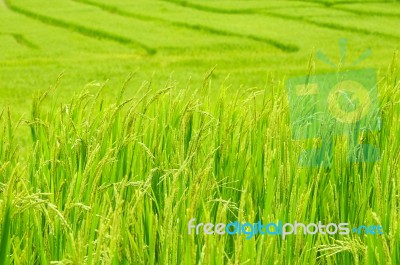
[(123, 120)]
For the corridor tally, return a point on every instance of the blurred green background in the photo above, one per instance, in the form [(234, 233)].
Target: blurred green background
[(249, 42)]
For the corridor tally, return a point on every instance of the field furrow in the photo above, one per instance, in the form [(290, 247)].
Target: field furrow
[(85, 30), (189, 25), (385, 27), (260, 24), (314, 13)]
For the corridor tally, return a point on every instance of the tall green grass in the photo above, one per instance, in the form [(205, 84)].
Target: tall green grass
[(117, 182)]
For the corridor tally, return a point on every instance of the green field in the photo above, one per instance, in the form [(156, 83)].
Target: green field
[(122, 120)]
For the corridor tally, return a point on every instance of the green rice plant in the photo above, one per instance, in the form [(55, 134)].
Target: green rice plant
[(116, 181)]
